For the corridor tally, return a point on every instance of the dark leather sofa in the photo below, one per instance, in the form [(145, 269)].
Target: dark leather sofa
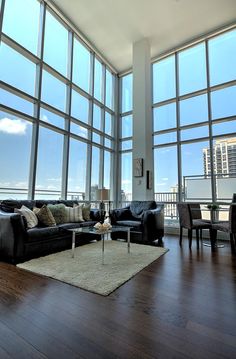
[(17, 243), (146, 219)]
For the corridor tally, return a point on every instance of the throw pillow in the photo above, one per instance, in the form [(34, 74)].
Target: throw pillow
[(31, 218), (74, 214), (59, 212), (45, 216), (86, 212)]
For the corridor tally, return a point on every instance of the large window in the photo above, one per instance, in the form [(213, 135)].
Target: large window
[(49, 164), (194, 123), (21, 22), (125, 135), (57, 113), (56, 52), (15, 136)]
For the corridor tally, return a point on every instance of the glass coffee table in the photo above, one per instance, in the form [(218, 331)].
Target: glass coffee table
[(103, 234)]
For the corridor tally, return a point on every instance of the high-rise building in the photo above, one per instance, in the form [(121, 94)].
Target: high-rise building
[(224, 157)]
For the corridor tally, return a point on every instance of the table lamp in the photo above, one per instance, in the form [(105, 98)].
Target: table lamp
[(103, 194)]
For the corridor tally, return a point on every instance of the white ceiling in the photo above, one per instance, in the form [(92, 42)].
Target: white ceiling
[(112, 26)]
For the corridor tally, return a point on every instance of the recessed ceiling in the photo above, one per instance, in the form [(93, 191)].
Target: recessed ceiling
[(112, 26)]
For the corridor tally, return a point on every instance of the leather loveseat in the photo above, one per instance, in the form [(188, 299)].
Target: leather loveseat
[(146, 219), (17, 243)]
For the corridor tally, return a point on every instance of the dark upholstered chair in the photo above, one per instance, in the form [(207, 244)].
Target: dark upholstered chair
[(191, 220), (145, 218), (234, 198), (227, 226)]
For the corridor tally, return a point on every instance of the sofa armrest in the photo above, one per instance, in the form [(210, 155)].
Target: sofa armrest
[(153, 223), (12, 235), (120, 214)]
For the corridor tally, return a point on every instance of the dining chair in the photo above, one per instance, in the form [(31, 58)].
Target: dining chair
[(227, 226), (189, 221)]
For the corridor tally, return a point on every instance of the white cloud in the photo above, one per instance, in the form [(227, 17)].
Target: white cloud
[(54, 179), (13, 127), (160, 184), (45, 118), (165, 179), (126, 181)]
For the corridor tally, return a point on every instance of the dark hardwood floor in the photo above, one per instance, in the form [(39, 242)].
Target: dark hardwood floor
[(181, 306)]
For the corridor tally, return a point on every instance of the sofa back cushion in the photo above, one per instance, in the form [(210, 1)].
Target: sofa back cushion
[(137, 207), (30, 216), (74, 214), (45, 216), (59, 212), (8, 205)]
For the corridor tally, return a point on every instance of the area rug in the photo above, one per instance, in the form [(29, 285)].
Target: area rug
[(89, 271)]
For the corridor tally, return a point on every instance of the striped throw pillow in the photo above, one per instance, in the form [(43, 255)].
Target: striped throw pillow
[(74, 214), (31, 218)]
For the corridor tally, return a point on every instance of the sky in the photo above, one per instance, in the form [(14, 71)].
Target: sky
[(21, 18)]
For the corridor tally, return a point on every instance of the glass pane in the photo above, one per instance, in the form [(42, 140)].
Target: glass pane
[(194, 164), (165, 138), (49, 164), (79, 107), (98, 80), (21, 18), (107, 143), (17, 70), (127, 126), (95, 172), (97, 120), (193, 110), (164, 79), (192, 69), (81, 66), (15, 136), (77, 167), (16, 102), (126, 145), (56, 44), (50, 117), (107, 169), (222, 54), (109, 89), (78, 130), (196, 132), (53, 91), (126, 176), (225, 159), (108, 124), (96, 138), (223, 102), (127, 93), (164, 117), (166, 172), (223, 128)]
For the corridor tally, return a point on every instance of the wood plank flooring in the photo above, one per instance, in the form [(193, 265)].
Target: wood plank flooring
[(181, 306)]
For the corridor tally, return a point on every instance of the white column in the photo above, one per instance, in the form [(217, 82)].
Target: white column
[(142, 118)]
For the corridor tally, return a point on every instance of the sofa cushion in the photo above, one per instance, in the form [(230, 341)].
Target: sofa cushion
[(74, 214), (70, 225), (30, 216), (137, 207), (88, 224), (133, 224), (40, 233), (86, 211), (59, 212), (45, 216)]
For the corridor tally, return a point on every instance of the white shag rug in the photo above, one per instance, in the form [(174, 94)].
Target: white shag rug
[(88, 270)]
